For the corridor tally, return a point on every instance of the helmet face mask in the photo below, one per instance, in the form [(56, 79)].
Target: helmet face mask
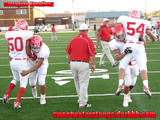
[(120, 36), (35, 49), (118, 33), (21, 25), (36, 43)]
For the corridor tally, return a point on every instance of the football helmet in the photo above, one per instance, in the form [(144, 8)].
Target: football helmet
[(36, 43), (118, 33), (21, 25), (135, 14)]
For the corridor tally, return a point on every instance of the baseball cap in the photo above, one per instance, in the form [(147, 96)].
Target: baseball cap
[(83, 27), (105, 19)]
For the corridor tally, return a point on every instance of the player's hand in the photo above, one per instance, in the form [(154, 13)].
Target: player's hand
[(24, 72), (93, 68), (128, 50)]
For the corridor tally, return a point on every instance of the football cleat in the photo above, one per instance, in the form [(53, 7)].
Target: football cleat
[(6, 99), (101, 65), (147, 92), (17, 105), (85, 106), (119, 90), (115, 64), (42, 100)]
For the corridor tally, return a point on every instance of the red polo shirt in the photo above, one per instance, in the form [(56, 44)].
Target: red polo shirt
[(81, 48), (105, 34)]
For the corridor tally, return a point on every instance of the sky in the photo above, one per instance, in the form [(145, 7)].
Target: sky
[(61, 6)]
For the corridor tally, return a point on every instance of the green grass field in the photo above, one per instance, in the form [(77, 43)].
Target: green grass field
[(60, 96)]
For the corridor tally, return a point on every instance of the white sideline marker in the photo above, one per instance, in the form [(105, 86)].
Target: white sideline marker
[(90, 95)]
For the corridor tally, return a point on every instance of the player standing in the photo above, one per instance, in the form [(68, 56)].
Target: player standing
[(80, 50), (38, 68), (18, 58), (104, 34)]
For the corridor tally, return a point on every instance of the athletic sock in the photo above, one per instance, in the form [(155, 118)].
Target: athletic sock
[(121, 82), (20, 93), (10, 88), (145, 83)]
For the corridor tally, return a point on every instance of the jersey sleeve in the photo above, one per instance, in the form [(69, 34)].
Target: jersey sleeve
[(92, 49), (68, 50), (113, 45), (44, 53)]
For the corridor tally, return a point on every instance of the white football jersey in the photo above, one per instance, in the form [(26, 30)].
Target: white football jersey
[(134, 28), (115, 44), (17, 43), (43, 53)]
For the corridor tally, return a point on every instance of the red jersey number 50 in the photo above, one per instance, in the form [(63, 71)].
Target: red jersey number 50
[(15, 44), (132, 30)]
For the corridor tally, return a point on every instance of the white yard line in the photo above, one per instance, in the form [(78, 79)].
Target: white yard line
[(90, 95), (53, 75), (67, 63)]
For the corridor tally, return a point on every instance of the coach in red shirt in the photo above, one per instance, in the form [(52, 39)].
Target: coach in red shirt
[(104, 33), (80, 51)]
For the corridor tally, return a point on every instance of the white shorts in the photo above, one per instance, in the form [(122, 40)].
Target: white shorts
[(39, 74), (16, 67), (131, 75)]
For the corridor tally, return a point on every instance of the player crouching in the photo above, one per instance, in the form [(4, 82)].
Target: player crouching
[(38, 67)]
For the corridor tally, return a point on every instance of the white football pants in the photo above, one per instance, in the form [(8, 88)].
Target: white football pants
[(106, 52)]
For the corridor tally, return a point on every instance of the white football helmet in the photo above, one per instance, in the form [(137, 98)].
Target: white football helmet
[(21, 25), (135, 14), (36, 43)]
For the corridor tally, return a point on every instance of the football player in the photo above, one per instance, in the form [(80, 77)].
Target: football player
[(18, 59), (132, 70), (38, 67), (135, 30)]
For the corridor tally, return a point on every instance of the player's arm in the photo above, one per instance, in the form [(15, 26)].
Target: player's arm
[(28, 51), (92, 58), (98, 37), (144, 42), (28, 48), (38, 65), (150, 34), (118, 56)]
